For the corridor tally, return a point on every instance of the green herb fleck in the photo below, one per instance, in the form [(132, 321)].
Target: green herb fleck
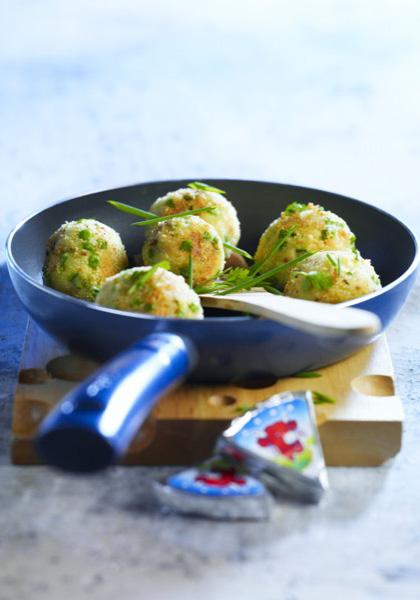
[(84, 234), (76, 280), (102, 244), (207, 236), (148, 307), (63, 259), (307, 375), (331, 260), (316, 280), (295, 207), (139, 278), (88, 246), (244, 408), (94, 261), (335, 263), (179, 312), (170, 202), (186, 245), (194, 308), (190, 270), (319, 398)]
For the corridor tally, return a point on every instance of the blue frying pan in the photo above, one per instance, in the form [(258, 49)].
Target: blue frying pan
[(94, 425)]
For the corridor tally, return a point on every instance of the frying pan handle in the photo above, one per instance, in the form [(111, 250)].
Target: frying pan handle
[(94, 424)]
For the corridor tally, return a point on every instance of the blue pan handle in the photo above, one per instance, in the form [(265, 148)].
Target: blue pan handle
[(94, 424)]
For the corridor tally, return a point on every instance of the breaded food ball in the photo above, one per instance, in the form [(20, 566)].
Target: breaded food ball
[(333, 277), (180, 238), (223, 218), (301, 228), (81, 255), (151, 290)]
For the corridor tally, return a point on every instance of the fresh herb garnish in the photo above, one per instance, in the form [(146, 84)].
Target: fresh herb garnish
[(139, 278), (307, 375), (295, 207), (199, 185), (331, 260), (131, 210), (322, 398), (193, 307), (272, 290), (281, 242), (316, 280), (338, 266), (244, 408), (335, 263), (237, 250), (186, 213), (190, 270), (152, 218), (240, 278)]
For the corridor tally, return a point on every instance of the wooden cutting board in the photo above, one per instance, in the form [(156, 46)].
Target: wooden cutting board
[(363, 427)]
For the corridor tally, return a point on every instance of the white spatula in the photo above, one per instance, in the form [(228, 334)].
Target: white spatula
[(311, 317)]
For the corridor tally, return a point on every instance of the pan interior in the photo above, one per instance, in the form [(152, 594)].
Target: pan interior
[(257, 204)]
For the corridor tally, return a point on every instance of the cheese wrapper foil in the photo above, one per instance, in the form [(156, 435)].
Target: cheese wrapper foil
[(216, 490), (278, 443)]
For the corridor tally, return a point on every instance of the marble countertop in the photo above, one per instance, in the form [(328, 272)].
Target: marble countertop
[(98, 94)]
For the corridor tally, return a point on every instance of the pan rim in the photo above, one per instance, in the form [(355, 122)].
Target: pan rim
[(90, 305)]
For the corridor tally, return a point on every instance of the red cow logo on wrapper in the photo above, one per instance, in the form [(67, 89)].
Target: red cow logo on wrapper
[(275, 434), (221, 479)]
